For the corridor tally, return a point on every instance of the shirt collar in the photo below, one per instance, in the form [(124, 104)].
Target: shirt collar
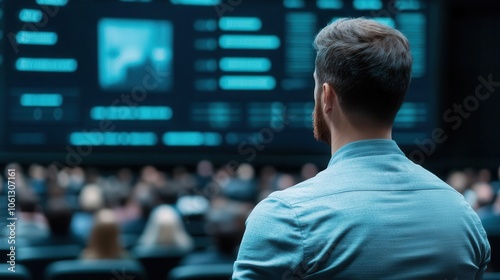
[(365, 148)]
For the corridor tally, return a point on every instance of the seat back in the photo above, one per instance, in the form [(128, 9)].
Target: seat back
[(95, 270), (493, 233), (491, 276), (202, 272), (20, 272), (36, 259), (158, 261)]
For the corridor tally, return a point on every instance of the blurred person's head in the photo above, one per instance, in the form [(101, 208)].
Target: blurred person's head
[(63, 177), (92, 175), (204, 168), (245, 172), (362, 74), (168, 194), (76, 177), (91, 198), (146, 202), (58, 214), (181, 176), (28, 202), (226, 224), (308, 171), (165, 228), (484, 194), (470, 175), (267, 174), (285, 181), (458, 180), (104, 240), (222, 177), (484, 176), (37, 172), (125, 176), (38, 178), (149, 174)]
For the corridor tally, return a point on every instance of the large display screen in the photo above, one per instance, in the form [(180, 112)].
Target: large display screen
[(182, 77)]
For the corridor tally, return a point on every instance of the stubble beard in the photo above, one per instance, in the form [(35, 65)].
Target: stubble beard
[(321, 130)]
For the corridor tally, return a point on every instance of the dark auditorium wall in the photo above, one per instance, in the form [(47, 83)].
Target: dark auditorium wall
[(471, 48)]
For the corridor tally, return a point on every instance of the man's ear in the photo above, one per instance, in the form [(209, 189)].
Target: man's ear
[(328, 98)]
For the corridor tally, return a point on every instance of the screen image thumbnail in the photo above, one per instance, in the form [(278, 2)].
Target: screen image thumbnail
[(131, 49)]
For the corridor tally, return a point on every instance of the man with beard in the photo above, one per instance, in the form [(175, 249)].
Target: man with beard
[(372, 213)]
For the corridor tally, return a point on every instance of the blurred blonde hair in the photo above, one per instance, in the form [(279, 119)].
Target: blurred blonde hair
[(104, 241), (91, 198), (165, 228)]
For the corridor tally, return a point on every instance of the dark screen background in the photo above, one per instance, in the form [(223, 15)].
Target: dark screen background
[(269, 123)]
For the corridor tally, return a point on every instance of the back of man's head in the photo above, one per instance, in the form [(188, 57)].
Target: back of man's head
[(28, 202), (368, 64), (59, 215)]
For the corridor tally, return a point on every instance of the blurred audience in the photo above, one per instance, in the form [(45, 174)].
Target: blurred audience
[(226, 225), (91, 200), (58, 214), (242, 187), (106, 210), (308, 171), (32, 224), (104, 241), (204, 173), (165, 228)]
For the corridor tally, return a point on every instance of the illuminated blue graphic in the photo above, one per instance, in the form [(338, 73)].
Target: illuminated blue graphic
[(410, 114), (52, 2), (367, 4), (386, 20), (205, 44), (206, 65), (299, 55), (205, 25), (144, 113), (205, 84), (192, 138), (36, 38), (269, 42), (245, 64), (30, 15), (196, 2), (46, 64), (132, 51), (407, 5), (301, 114), (113, 138), (413, 26), (266, 115), (41, 100), (247, 83), (240, 24), (329, 4), (219, 115), (294, 4)]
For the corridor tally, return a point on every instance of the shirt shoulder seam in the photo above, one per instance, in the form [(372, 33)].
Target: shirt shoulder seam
[(299, 224)]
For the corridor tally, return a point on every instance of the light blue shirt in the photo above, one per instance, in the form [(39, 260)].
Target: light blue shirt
[(371, 214)]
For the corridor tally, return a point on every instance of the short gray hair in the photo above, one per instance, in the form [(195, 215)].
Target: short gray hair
[(368, 64)]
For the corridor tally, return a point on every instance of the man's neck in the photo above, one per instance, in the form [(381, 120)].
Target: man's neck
[(341, 137)]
